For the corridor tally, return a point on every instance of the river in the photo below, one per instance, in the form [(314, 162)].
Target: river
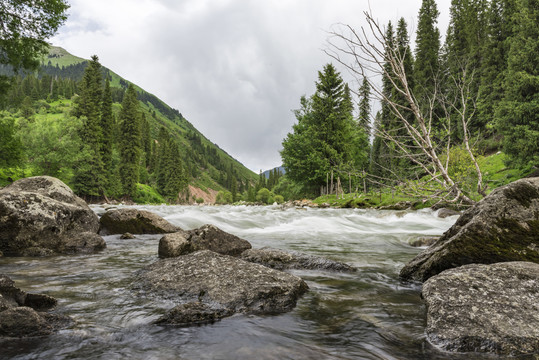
[(366, 315)]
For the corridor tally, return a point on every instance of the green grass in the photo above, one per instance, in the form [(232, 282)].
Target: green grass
[(145, 194), (495, 171), (61, 57)]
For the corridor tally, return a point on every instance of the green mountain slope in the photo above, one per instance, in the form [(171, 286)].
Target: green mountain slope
[(208, 165)]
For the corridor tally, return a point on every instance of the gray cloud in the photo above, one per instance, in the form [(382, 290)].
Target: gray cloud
[(234, 68)]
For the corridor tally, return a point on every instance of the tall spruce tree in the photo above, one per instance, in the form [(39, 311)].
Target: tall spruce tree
[(130, 144), (176, 178), (427, 52), (89, 179), (107, 128), (462, 54), (383, 153), (518, 113), (365, 106), (325, 136), (495, 59), (402, 164)]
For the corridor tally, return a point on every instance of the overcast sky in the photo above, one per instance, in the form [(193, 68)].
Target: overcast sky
[(234, 68)]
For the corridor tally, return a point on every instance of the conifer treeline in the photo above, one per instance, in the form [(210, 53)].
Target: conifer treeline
[(111, 147), (491, 45), (98, 174), (486, 72)]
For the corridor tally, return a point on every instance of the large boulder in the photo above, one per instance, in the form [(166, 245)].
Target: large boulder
[(206, 237), (23, 314), (504, 226), (223, 285), (134, 221), (485, 308), (283, 260), (42, 216)]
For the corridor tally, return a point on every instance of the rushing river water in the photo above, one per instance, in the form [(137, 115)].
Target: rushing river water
[(366, 315)]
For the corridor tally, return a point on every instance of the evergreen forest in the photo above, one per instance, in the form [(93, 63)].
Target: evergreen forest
[(442, 119), (445, 119), (105, 137)]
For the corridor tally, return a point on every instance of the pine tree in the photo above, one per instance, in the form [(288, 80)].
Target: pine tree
[(495, 55), (462, 53), (427, 52), (107, 128), (383, 154), (518, 113), (90, 177), (365, 105), (325, 136), (130, 144), (176, 178)]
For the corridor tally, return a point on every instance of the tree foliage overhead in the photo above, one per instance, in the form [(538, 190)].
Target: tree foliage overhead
[(24, 27)]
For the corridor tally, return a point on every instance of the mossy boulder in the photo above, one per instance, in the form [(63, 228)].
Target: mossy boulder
[(504, 226), (134, 221), (41, 216)]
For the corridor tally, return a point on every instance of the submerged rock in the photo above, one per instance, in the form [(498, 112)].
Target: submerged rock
[(504, 226), (192, 313), (282, 260), (444, 212), (207, 237), (134, 221), (223, 285), (423, 241), (485, 308), (41, 216), (21, 313)]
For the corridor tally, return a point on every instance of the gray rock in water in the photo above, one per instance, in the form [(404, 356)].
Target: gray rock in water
[(485, 308), (444, 212), (223, 284), (127, 236), (22, 322), (423, 241), (504, 226), (134, 221), (207, 237), (282, 260), (42, 216), (175, 244), (192, 313), (21, 313)]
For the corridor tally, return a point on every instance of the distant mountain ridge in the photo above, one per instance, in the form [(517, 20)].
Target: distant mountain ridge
[(208, 166), (213, 164), (281, 169)]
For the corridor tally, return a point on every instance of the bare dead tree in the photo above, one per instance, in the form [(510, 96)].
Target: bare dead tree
[(367, 53)]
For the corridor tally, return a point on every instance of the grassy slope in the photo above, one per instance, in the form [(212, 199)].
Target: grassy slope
[(495, 174), (179, 128)]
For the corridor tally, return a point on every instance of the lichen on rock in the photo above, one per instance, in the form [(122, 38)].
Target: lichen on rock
[(223, 285), (485, 308), (41, 216)]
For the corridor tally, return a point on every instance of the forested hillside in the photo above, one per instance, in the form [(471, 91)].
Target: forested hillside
[(77, 120), (444, 106)]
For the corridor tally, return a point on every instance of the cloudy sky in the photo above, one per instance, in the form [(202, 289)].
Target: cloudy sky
[(234, 68)]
